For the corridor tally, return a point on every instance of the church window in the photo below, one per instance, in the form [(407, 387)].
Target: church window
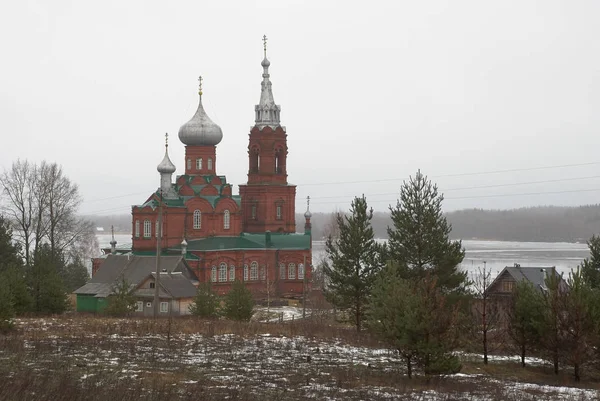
[(226, 219), (301, 271), (292, 271), (197, 219), (254, 271), (232, 273), (253, 212), (246, 272), (137, 228), (263, 273), (189, 164), (209, 164), (156, 229), (223, 272), (213, 274), (278, 212), (199, 164), (147, 229), (282, 271)]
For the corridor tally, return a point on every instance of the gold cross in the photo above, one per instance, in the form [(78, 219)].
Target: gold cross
[(265, 44)]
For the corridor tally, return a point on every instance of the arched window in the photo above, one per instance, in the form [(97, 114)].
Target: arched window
[(199, 164), (300, 271), (245, 272), (291, 271), (156, 229), (189, 164), (282, 271), (209, 164), (197, 219), (232, 273), (213, 274), (147, 229), (137, 228), (253, 212), (226, 217), (263, 273), (278, 212), (223, 272), (254, 271)]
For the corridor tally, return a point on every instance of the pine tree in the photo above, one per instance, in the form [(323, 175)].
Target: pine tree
[(74, 274), (121, 302), (12, 270), (526, 317), (47, 288), (239, 303), (7, 312), (419, 240), (206, 303), (578, 321), (414, 317), (590, 268), (354, 261)]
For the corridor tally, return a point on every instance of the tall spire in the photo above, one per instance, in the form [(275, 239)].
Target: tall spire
[(267, 112)]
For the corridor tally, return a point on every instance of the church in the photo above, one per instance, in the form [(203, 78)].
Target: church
[(222, 236)]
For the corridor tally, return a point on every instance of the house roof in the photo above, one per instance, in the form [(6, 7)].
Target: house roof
[(134, 269), (177, 285), (249, 241), (535, 275)]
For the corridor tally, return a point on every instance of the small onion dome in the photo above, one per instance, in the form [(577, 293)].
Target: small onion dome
[(265, 63), (307, 214), (166, 166), (200, 130)]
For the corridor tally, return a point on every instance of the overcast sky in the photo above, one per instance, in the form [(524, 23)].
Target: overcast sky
[(370, 91)]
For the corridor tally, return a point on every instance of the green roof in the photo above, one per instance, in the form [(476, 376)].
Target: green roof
[(180, 200), (249, 241)]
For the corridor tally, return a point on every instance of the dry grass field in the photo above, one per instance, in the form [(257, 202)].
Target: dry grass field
[(92, 358)]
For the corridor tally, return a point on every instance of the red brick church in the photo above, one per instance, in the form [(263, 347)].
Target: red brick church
[(225, 237)]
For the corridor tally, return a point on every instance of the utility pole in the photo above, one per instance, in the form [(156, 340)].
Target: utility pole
[(158, 251), (304, 289)]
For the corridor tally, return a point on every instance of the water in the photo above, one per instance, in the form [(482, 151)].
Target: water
[(497, 254)]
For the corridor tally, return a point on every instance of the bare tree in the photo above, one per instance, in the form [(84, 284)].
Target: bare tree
[(486, 310), (42, 204)]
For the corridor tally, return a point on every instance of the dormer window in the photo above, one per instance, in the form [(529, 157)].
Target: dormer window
[(199, 164)]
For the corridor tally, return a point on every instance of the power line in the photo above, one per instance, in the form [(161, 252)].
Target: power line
[(474, 187), (453, 175)]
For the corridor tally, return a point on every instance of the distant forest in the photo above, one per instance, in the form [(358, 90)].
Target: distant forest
[(542, 223)]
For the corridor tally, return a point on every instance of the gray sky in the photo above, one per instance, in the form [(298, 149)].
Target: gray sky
[(370, 91)]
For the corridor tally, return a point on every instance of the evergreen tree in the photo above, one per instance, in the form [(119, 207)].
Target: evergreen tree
[(552, 337), (526, 317), (580, 306), (74, 274), (121, 302), (7, 311), (239, 303), (206, 302), (48, 292), (419, 241), (12, 271), (590, 268), (354, 261), (414, 317)]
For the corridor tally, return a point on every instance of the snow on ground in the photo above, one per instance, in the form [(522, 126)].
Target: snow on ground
[(267, 366)]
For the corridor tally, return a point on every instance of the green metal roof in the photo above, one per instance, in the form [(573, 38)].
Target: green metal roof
[(249, 241)]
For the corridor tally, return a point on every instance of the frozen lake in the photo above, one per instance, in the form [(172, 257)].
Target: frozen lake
[(497, 254)]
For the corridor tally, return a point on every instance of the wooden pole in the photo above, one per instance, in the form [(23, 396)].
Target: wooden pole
[(158, 251)]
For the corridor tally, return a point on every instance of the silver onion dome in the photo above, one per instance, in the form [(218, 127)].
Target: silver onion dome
[(200, 130), (166, 166)]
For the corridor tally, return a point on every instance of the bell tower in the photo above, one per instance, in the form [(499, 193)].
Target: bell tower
[(268, 201)]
